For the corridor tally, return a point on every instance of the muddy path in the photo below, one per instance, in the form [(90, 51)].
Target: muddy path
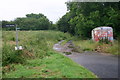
[(104, 66)]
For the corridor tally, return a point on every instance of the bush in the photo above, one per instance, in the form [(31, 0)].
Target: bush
[(11, 56)]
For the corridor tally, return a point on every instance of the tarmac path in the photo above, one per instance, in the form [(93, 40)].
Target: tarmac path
[(104, 66)]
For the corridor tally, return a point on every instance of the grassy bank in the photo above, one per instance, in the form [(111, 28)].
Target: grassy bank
[(54, 66), (35, 44), (89, 45), (37, 59)]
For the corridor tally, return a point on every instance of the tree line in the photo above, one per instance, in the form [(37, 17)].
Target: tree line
[(80, 19), (30, 22), (84, 16)]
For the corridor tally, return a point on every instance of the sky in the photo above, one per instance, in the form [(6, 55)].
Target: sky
[(53, 9)]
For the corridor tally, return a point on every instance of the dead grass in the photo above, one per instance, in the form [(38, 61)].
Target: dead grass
[(12, 43), (28, 54)]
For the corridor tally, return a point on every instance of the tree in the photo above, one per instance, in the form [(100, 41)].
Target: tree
[(4, 23), (83, 17), (31, 22)]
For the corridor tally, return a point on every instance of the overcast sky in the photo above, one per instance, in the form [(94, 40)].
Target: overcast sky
[(11, 9)]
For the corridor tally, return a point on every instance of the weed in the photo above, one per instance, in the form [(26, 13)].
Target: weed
[(11, 56), (67, 53), (54, 66), (89, 45), (35, 43), (86, 49), (104, 41), (46, 63)]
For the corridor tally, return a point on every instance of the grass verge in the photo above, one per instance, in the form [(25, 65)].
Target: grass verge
[(89, 45), (53, 66)]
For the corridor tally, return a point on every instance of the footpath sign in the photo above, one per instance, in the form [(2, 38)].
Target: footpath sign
[(17, 47), (10, 25)]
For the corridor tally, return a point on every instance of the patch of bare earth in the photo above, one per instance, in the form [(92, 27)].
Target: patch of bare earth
[(70, 48), (67, 48), (12, 42), (28, 54), (101, 49)]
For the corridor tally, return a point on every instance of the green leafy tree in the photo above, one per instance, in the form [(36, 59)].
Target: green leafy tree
[(83, 17), (31, 22)]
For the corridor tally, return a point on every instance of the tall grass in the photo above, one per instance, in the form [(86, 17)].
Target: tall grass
[(11, 56), (112, 49), (86, 44), (35, 44), (89, 45), (40, 59)]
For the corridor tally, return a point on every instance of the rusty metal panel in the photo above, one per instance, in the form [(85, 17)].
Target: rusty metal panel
[(102, 33)]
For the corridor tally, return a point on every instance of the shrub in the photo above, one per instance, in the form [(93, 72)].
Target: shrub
[(11, 56)]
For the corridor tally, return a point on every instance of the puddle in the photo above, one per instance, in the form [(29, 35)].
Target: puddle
[(57, 46)]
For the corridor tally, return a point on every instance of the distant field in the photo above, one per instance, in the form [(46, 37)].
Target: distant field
[(38, 59)]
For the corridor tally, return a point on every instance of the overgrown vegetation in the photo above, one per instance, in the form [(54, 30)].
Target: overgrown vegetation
[(89, 45), (38, 59), (53, 66), (9, 55), (35, 44)]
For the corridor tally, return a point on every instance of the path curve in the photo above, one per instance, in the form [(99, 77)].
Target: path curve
[(104, 66)]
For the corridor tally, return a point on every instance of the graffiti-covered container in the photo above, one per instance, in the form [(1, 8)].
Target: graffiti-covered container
[(102, 33)]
